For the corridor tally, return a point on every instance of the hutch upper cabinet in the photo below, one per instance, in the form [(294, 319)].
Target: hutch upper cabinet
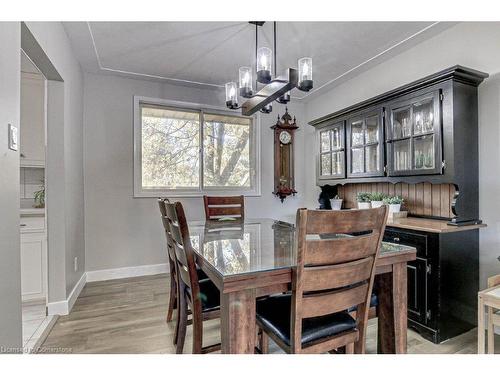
[(365, 153), (413, 134), (331, 156), (425, 131)]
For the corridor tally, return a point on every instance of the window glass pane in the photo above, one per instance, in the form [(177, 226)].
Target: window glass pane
[(357, 138), (423, 115), (371, 158), (226, 154), (424, 152), (170, 148), (401, 125), (337, 163), (372, 129), (326, 164), (401, 155), (336, 139), (357, 160), (325, 140)]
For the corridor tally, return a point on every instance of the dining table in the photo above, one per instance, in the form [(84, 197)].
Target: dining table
[(253, 258)]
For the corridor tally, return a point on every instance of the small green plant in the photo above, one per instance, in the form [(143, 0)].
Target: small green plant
[(394, 200), (39, 196), (363, 197), (377, 197)]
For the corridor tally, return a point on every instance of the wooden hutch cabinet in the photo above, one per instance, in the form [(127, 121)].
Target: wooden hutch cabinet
[(423, 136)]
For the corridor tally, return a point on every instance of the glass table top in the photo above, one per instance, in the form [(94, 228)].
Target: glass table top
[(255, 245)]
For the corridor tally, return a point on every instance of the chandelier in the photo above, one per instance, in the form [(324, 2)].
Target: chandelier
[(274, 89)]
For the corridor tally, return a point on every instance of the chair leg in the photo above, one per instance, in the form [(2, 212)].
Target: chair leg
[(182, 323), (349, 348), (173, 298), (491, 331), (263, 342), (197, 333), (480, 326)]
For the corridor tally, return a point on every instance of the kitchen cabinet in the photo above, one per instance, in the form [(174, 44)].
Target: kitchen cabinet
[(32, 128), (413, 135), (33, 258), (442, 282), (365, 140), (331, 156)]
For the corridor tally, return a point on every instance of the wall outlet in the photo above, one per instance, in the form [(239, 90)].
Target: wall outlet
[(75, 263)]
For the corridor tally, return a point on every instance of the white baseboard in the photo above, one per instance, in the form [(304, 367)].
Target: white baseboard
[(64, 307), (121, 273)]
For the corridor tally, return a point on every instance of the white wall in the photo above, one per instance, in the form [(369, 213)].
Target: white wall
[(10, 262), (53, 39), (474, 45), (123, 231)]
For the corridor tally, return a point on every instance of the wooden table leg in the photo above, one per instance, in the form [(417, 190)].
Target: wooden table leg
[(238, 322), (392, 310), (480, 325)]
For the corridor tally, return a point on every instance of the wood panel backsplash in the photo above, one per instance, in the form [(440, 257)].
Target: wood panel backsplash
[(423, 199)]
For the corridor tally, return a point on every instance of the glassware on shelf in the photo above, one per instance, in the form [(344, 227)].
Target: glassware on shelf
[(372, 129), (357, 138), (336, 143), (401, 127), (357, 160), (424, 117), (337, 163), (424, 152), (371, 158), (325, 141), (326, 164), (401, 155)]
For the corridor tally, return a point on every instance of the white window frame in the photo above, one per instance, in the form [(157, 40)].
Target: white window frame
[(139, 192)]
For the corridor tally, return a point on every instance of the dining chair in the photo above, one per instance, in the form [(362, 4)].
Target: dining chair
[(173, 297), (331, 276), (487, 300), (201, 296), (224, 207)]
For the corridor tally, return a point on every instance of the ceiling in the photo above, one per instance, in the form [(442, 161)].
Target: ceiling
[(208, 54)]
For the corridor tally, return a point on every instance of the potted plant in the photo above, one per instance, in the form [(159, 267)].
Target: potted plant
[(394, 203), (39, 197), (336, 203), (377, 199), (363, 200)]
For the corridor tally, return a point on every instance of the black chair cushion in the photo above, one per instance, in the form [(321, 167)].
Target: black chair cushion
[(373, 303), (273, 313), (209, 295)]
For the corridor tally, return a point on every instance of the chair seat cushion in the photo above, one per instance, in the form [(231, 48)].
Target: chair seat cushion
[(209, 295), (273, 314), (373, 303)]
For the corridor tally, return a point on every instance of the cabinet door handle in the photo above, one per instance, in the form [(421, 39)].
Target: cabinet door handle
[(396, 239), (23, 225)]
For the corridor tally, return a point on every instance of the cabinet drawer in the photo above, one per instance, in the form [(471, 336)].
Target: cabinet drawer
[(419, 241), (32, 223)]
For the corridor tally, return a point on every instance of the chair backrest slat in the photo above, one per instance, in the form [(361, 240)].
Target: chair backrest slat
[(339, 250), (336, 256), (166, 226), (217, 207), (337, 275), (323, 304)]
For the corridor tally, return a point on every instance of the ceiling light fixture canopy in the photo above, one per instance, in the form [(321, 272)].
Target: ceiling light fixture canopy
[(275, 89)]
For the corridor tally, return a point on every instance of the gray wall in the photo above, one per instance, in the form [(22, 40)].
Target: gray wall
[(52, 37), (10, 263), (122, 231), (475, 45)]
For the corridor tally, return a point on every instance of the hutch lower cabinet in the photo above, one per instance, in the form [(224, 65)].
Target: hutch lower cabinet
[(442, 282)]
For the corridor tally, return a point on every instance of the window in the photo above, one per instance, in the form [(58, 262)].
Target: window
[(183, 150)]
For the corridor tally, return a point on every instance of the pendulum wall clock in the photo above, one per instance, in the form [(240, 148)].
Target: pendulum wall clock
[(284, 129)]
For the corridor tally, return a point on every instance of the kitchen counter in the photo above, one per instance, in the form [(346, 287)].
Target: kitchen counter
[(32, 212), (429, 225)]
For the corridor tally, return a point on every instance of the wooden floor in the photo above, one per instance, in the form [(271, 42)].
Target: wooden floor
[(128, 316)]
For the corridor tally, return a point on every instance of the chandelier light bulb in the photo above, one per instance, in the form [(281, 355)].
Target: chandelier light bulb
[(231, 95), (264, 62), (305, 74), (245, 81)]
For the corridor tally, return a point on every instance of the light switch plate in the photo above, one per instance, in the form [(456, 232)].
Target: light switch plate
[(13, 138)]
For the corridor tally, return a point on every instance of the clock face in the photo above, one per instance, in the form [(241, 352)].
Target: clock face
[(285, 137)]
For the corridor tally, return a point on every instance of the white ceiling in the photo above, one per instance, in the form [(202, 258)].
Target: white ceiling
[(208, 54)]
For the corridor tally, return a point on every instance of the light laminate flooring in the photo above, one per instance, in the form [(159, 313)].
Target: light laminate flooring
[(128, 316)]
